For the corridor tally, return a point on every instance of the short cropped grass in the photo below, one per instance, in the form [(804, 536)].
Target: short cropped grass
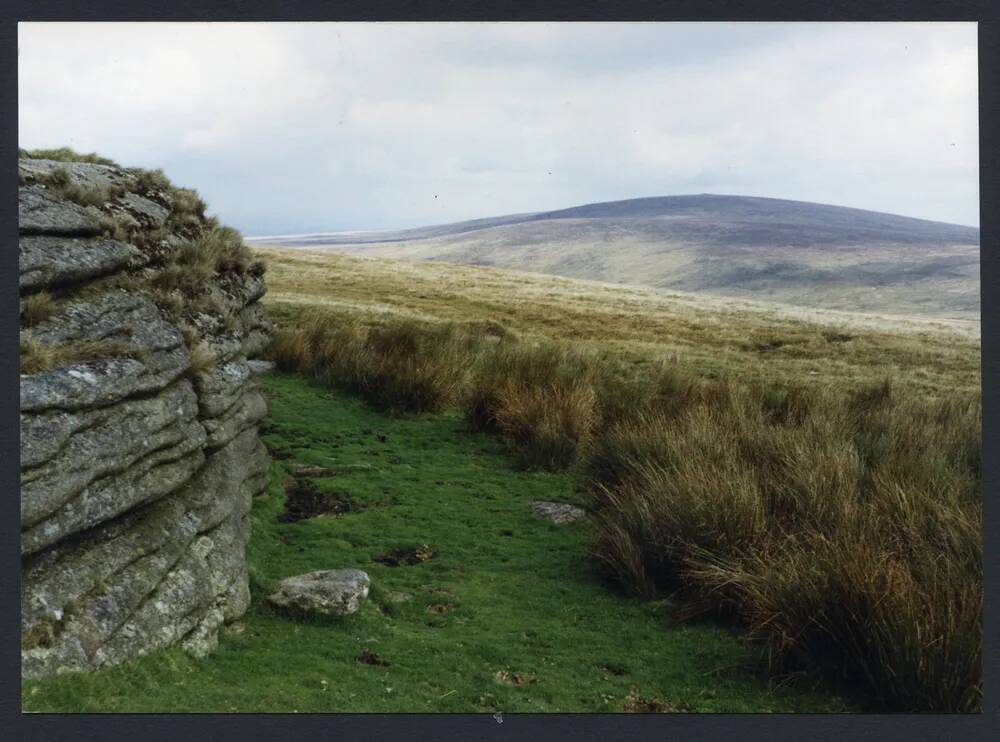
[(507, 615)]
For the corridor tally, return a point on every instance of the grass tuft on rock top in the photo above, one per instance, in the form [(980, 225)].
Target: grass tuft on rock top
[(503, 597), (63, 154)]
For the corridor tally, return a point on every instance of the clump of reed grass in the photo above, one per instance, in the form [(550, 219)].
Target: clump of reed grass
[(37, 308), (858, 555), (216, 251), (404, 366), (36, 357), (540, 397)]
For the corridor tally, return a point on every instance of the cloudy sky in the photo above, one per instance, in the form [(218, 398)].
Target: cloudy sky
[(301, 127)]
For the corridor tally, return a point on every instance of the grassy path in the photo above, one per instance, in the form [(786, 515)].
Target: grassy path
[(507, 615)]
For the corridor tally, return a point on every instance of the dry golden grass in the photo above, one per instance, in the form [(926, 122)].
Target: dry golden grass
[(403, 366), (37, 308), (36, 357), (821, 483), (846, 535), (640, 326)]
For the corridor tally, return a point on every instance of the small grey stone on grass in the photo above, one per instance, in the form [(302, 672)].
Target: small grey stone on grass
[(335, 592), (557, 512)]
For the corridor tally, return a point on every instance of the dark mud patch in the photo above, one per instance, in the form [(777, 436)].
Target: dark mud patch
[(636, 704), (406, 556), (303, 499), (440, 608), (367, 657), (315, 472), (277, 454)]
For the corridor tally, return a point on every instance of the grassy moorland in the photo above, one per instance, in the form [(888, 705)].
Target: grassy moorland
[(809, 254), (505, 615), (819, 485), (705, 334), (775, 503)]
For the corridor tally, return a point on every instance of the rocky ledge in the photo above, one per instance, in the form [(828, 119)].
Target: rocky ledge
[(139, 412)]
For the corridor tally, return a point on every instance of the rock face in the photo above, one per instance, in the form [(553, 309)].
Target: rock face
[(329, 592), (139, 412)]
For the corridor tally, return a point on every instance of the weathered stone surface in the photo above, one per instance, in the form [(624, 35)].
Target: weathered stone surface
[(329, 592), (54, 261), (220, 388), (257, 329), (137, 472), (248, 410), (557, 512), (39, 212), (87, 174), (148, 214), (64, 454), (128, 319)]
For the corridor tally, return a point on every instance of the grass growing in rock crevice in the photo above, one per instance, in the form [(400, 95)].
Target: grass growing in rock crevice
[(36, 357), (504, 614)]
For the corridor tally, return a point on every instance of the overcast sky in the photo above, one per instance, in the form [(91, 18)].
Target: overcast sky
[(301, 127)]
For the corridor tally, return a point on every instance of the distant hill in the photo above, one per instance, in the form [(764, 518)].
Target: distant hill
[(794, 252)]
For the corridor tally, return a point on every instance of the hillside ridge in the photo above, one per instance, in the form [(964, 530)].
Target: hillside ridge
[(790, 252), (645, 206)]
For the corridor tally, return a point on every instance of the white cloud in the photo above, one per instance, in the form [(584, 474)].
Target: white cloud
[(303, 127)]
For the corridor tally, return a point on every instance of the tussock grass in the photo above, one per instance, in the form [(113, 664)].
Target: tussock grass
[(187, 210), (216, 251), (37, 308), (847, 537), (402, 366), (37, 357), (203, 359), (61, 182), (151, 182), (539, 396), (547, 427), (839, 524), (63, 154)]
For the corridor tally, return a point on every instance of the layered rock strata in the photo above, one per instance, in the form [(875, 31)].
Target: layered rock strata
[(139, 448)]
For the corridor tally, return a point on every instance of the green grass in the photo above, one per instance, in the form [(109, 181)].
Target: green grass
[(842, 527), (526, 597)]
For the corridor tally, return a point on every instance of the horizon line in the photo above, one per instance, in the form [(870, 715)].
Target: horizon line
[(338, 232)]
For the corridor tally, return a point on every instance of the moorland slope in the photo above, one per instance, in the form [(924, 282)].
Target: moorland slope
[(807, 254)]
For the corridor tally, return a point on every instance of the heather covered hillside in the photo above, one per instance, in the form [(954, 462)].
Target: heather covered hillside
[(807, 254)]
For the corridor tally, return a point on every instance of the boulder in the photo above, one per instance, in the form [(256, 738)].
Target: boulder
[(328, 592)]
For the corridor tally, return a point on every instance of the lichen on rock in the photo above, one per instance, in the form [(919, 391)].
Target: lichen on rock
[(139, 410)]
